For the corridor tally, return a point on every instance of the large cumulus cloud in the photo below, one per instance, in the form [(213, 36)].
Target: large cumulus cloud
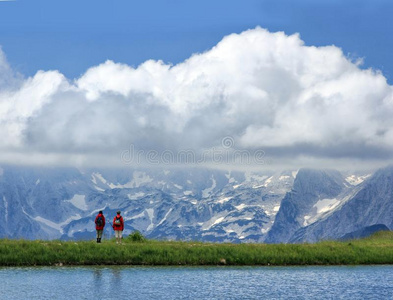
[(266, 91)]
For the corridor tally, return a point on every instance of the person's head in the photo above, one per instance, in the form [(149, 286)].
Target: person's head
[(118, 212), (100, 212)]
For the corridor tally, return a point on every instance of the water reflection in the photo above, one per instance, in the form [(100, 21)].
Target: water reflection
[(116, 280), (97, 282)]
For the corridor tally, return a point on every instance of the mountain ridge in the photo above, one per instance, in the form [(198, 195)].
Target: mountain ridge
[(174, 204)]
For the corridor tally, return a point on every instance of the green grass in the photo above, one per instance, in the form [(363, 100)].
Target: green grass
[(377, 249)]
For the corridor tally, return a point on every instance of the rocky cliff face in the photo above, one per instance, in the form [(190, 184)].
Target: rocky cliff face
[(371, 204), (311, 189)]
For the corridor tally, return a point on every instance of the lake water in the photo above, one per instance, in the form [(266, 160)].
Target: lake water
[(329, 282)]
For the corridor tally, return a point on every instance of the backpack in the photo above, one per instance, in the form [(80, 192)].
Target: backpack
[(100, 221), (117, 222)]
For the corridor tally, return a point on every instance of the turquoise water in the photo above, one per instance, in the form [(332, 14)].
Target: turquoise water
[(333, 282)]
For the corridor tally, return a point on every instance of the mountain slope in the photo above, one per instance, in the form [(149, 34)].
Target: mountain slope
[(193, 203), (311, 187), (371, 205), (185, 204)]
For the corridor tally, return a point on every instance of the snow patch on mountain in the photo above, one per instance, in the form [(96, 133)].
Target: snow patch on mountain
[(356, 180), (150, 213), (321, 208), (241, 206), (98, 176), (224, 199), (136, 196), (165, 217), (326, 205), (138, 216), (218, 221), (258, 186), (268, 181), (212, 222), (79, 202), (270, 213), (58, 226)]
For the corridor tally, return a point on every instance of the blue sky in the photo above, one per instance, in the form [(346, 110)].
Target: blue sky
[(81, 82), (74, 35)]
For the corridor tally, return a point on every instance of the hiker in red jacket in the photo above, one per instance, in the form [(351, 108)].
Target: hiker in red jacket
[(118, 227), (100, 224)]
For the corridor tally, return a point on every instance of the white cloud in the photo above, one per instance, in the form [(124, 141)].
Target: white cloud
[(19, 104), (267, 90)]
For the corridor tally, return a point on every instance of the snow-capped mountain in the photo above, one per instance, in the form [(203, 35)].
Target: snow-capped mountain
[(312, 192), (187, 204), (316, 196), (194, 203), (371, 204)]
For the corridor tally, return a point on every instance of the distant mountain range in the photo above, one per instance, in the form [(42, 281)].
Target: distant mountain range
[(194, 203)]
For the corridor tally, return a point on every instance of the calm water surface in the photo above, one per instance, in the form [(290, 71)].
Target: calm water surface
[(359, 282)]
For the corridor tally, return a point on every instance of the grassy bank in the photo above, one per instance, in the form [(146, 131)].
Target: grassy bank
[(377, 249)]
